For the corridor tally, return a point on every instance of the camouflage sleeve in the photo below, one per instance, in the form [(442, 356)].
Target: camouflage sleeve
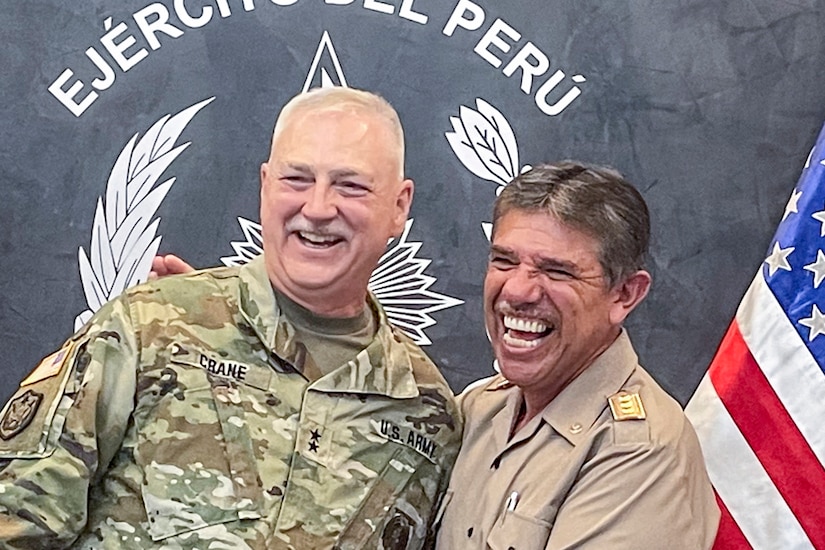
[(60, 430)]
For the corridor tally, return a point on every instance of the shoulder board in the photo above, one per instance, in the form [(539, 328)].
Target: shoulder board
[(626, 406)]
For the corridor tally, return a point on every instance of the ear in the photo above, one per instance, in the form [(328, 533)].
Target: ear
[(403, 201), (627, 294)]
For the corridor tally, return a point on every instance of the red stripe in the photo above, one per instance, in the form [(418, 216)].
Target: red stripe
[(729, 537), (770, 432)]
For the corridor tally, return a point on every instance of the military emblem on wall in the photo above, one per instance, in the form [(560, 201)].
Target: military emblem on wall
[(125, 234)]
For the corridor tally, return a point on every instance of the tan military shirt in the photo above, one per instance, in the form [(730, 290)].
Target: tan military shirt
[(179, 418), (575, 477)]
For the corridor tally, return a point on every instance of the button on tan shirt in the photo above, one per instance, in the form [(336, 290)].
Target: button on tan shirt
[(573, 477)]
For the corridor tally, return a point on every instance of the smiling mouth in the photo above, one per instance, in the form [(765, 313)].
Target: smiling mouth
[(318, 240), (524, 333)]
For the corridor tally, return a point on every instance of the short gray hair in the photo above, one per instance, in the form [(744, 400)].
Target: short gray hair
[(345, 100), (595, 200)]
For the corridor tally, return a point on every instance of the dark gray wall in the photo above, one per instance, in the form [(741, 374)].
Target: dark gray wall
[(709, 107)]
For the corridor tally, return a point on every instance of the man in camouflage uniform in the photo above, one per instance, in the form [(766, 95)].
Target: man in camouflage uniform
[(266, 406)]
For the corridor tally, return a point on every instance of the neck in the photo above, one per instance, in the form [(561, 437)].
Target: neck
[(324, 305), (535, 399)]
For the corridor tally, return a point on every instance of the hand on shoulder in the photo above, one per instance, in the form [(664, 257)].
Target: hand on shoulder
[(168, 265)]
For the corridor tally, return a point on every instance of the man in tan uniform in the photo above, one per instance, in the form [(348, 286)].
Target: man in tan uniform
[(573, 445), (270, 406)]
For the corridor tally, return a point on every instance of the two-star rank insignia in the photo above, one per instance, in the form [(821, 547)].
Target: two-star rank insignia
[(314, 439), (626, 406)]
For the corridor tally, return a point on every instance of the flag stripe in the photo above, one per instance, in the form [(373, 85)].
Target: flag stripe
[(770, 432), (785, 360), (760, 409), (739, 478), (729, 537)]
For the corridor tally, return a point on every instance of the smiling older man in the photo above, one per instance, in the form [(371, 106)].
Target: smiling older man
[(573, 445), (270, 406)]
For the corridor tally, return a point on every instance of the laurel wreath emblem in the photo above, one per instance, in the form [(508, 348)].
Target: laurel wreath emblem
[(124, 231), (486, 145)]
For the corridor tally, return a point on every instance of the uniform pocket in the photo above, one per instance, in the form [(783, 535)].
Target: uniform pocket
[(513, 531), (390, 517), (197, 462)]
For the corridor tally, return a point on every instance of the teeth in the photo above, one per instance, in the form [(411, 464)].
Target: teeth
[(518, 342), (523, 325), (317, 238)]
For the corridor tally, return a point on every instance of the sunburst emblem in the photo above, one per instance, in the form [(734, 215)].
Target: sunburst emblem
[(124, 234), (399, 281)]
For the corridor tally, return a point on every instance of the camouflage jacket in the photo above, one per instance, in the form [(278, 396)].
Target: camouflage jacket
[(178, 418)]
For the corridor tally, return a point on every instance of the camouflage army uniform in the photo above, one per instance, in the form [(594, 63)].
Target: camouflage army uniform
[(178, 419)]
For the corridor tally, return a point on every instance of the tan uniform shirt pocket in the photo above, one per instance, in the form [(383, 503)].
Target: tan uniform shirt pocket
[(513, 531)]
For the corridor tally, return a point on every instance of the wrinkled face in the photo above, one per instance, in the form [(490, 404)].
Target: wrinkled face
[(331, 198), (547, 306)]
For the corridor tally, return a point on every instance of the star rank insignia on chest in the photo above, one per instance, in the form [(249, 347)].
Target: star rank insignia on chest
[(314, 439), (626, 406)]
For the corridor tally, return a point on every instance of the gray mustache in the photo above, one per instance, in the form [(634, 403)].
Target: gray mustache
[(334, 228)]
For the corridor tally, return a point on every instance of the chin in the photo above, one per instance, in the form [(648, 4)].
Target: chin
[(516, 372)]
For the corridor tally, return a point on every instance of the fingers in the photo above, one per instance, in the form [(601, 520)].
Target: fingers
[(170, 264), (158, 268), (175, 265)]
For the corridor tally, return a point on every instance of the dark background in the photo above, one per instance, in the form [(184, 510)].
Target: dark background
[(710, 107)]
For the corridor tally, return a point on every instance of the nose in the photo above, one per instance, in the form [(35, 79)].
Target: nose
[(522, 285), (320, 203)]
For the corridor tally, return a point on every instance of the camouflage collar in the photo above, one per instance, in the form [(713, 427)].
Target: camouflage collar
[(383, 367)]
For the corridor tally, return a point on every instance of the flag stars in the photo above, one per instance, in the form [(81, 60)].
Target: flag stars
[(778, 258), (817, 268), (816, 323), (791, 207), (820, 217)]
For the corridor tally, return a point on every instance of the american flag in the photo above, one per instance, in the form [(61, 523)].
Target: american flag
[(759, 411)]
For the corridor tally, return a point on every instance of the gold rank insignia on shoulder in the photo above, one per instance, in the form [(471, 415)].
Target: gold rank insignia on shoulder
[(49, 366), (626, 406)]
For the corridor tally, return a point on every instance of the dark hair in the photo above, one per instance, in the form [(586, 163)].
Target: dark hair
[(595, 200)]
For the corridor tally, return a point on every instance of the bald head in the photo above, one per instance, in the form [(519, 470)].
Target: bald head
[(345, 100)]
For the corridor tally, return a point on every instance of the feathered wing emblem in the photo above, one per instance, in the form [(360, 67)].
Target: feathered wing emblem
[(486, 145), (124, 233), (398, 281)]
